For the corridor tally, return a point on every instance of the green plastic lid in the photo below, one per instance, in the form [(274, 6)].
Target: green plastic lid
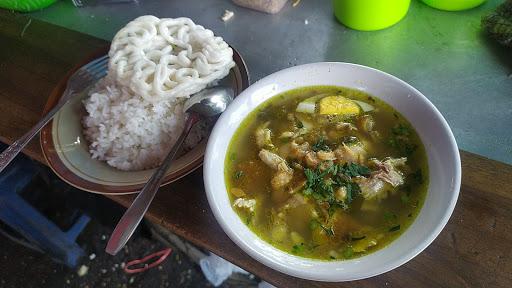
[(453, 5), (25, 5)]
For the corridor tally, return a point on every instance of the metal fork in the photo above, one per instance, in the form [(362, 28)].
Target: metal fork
[(81, 79)]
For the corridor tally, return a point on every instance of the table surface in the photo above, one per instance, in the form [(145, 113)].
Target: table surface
[(443, 54), (474, 249)]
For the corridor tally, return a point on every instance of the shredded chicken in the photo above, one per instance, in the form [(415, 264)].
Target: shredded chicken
[(297, 166), (284, 173), (293, 134), (311, 159), (371, 187), (264, 136), (326, 155), (388, 170), (299, 151), (324, 165), (272, 160), (350, 154), (287, 134), (346, 126), (245, 203), (283, 176), (374, 186), (366, 123)]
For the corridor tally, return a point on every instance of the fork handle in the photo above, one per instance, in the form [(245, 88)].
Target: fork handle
[(10, 153)]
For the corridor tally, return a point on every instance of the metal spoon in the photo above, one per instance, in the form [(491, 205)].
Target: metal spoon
[(207, 103)]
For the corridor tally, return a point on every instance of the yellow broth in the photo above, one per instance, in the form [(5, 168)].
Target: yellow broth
[(312, 228)]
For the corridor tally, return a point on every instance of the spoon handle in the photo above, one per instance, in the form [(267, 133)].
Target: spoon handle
[(140, 205)]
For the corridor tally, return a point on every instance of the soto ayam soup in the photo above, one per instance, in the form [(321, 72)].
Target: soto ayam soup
[(326, 172)]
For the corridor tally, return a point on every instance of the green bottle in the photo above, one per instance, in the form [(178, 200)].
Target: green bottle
[(25, 5), (370, 15), (453, 5)]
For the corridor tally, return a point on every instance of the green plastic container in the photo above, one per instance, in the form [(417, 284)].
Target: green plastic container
[(369, 15), (453, 5), (25, 5)]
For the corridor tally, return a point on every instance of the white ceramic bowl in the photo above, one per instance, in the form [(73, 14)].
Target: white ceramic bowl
[(443, 161)]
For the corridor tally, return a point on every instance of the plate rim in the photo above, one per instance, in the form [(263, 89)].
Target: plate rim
[(54, 160)]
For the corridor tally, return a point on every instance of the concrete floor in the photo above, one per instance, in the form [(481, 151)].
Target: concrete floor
[(22, 267)]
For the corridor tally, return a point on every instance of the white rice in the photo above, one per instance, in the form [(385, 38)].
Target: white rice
[(130, 133)]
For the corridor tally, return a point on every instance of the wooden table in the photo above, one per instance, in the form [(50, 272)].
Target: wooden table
[(474, 250)]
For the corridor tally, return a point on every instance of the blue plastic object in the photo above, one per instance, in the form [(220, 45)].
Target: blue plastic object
[(30, 223)]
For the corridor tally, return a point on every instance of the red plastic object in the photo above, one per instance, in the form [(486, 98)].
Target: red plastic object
[(162, 254)]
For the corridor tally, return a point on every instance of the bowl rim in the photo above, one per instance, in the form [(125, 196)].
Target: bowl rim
[(56, 164), (217, 131)]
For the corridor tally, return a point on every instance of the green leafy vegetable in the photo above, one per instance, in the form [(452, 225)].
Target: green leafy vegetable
[(311, 176), (249, 218), (388, 216), (298, 249), (402, 145), (357, 238), (321, 184), (348, 252), (400, 141), (328, 230), (337, 205), (352, 191), (313, 224), (316, 186), (353, 170), (320, 145), (499, 24), (239, 174), (401, 130), (394, 228)]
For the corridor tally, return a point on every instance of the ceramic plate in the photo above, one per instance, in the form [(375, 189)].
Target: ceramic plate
[(66, 149)]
